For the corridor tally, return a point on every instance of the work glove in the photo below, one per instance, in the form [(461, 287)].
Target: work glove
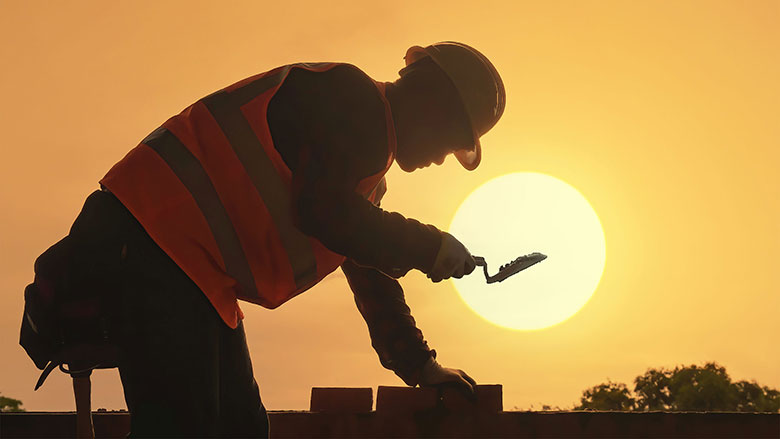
[(433, 374), (453, 260)]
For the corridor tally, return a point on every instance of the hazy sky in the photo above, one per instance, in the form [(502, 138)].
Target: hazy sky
[(663, 114)]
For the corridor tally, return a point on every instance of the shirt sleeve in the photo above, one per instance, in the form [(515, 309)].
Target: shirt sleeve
[(338, 132), (394, 335)]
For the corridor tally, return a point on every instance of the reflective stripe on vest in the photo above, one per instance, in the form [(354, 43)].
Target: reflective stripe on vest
[(194, 178), (210, 188), (225, 107)]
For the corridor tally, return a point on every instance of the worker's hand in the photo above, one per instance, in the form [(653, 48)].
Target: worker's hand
[(433, 374), (453, 260)]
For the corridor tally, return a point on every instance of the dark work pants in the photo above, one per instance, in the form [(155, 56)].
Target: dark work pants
[(185, 373)]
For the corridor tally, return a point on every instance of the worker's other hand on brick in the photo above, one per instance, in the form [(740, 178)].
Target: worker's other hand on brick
[(452, 260), (434, 374)]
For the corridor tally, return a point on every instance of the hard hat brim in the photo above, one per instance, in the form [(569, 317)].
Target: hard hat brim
[(470, 159)]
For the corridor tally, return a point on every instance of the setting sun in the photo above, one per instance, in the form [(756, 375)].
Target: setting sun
[(521, 213)]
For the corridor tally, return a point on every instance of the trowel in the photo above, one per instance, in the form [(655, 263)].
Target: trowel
[(511, 268)]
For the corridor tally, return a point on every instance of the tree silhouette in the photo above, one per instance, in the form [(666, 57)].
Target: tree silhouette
[(10, 404), (607, 396), (707, 388), (684, 388), (652, 390)]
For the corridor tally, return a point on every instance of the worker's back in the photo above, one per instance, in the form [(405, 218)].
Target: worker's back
[(214, 193)]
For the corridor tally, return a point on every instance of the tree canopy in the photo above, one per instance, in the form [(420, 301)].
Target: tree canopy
[(684, 388), (10, 404)]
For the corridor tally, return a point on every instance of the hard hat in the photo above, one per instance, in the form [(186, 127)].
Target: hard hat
[(479, 86)]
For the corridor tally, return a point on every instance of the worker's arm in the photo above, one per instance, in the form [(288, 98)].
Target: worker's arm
[(330, 129), (346, 223), (394, 335)]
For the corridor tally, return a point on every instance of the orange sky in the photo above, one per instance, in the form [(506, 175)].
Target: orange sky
[(664, 114)]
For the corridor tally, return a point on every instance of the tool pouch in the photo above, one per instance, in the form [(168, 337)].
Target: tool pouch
[(70, 308)]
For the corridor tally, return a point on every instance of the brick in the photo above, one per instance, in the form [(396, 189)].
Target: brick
[(489, 399), (406, 399), (342, 399)]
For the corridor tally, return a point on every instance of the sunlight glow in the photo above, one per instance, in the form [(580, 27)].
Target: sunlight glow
[(521, 213)]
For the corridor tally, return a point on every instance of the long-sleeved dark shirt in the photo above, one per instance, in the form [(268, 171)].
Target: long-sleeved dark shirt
[(330, 129)]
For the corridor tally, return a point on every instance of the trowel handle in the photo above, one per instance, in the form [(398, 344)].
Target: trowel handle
[(482, 263)]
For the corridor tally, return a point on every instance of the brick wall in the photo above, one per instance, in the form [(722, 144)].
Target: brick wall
[(416, 413)]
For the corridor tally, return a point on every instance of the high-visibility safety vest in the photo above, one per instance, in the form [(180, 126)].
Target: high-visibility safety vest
[(211, 190)]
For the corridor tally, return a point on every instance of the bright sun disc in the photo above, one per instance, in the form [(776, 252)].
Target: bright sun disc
[(521, 213)]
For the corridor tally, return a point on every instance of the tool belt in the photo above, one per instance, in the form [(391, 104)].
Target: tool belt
[(70, 310)]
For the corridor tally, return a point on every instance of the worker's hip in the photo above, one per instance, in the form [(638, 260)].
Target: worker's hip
[(184, 371), (150, 289)]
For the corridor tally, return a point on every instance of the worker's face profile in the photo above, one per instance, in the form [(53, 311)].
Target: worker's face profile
[(440, 124), (438, 131), (422, 155)]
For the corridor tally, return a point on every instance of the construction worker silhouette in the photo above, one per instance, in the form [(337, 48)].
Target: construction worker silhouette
[(257, 192)]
